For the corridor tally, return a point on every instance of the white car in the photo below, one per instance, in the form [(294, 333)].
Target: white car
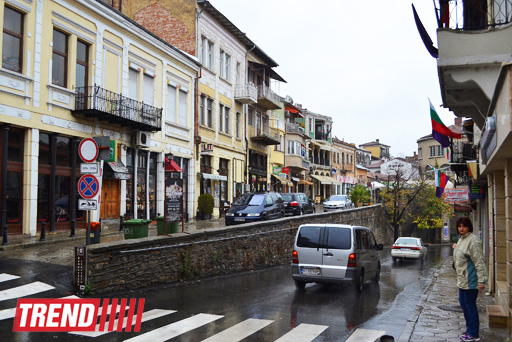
[(337, 202), (408, 248)]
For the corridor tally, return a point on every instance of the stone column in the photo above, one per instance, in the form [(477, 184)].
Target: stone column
[(499, 213)]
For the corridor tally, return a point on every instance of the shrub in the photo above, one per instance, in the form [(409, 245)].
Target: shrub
[(205, 203)]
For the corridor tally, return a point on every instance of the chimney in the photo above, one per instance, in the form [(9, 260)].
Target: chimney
[(458, 123), (377, 141)]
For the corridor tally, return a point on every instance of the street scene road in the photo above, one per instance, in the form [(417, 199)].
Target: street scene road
[(256, 306)]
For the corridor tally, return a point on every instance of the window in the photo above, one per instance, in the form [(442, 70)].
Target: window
[(82, 64), (12, 44), (280, 146), (338, 238), (294, 147), (221, 63), (148, 90), (59, 58), (209, 60), (183, 108), (133, 84), (250, 117), (432, 150), (227, 65), (171, 103), (204, 42), (440, 151), (420, 153), (223, 119), (209, 113), (238, 130), (238, 73), (202, 100)]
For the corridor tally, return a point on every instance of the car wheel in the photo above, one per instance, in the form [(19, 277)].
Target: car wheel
[(360, 282), (300, 284), (377, 276)]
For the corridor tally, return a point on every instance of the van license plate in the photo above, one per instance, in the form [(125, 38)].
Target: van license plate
[(310, 271), (239, 219)]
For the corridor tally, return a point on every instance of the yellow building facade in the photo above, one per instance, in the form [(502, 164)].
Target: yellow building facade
[(80, 70)]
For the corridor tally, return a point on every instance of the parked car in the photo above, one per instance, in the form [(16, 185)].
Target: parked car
[(408, 248), (251, 207), (335, 253), (297, 203), (337, 202)]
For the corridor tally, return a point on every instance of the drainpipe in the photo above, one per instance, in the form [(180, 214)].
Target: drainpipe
[(246, 128)]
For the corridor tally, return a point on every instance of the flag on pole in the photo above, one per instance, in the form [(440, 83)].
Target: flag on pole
[(448, 154), (440, 179), (439, 131)]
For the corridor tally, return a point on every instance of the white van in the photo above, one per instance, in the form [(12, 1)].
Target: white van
[(335, 253)]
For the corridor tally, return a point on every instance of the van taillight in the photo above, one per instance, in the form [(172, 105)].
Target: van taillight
[(351, 260), (295, 257), (294, 204)]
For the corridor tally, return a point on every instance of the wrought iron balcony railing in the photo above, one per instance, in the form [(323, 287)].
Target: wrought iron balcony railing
[(290, 127), (473, 15), (95, 101)]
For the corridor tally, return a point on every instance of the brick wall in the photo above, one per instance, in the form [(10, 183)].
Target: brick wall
[(132, 264)]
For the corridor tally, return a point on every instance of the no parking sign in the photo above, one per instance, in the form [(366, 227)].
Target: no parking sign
[(88, 186)]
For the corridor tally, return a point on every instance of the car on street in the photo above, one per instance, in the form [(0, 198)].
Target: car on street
[(335, 253), (251, 207), (337, 202), (408, 248), (297, 203)]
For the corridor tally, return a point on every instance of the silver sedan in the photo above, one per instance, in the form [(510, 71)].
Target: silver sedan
[(408, 248)]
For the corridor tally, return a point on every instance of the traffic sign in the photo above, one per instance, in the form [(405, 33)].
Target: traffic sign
[(89, 168), (88, 150), (88, 186), (84, 204)]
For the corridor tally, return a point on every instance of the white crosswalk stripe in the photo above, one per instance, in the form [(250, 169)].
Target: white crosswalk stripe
[(25, 290), (146, 316), (175, 329), (6, 277), (303, 333), (240, 331), (365, 335)]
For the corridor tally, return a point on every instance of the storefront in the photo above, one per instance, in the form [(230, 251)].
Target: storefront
[(257, 171)]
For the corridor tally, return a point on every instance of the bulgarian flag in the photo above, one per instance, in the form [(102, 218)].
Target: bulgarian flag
[(439, 131), (440, 179)]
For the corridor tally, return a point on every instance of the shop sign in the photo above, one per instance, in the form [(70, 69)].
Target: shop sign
[(262, 179), (286, 170), (476, 191), (206, 149), (456, 195), (277, 170)]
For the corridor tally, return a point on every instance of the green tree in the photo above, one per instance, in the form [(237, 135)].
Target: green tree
[(359, 194)]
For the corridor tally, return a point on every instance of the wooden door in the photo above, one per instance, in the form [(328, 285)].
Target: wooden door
[(111, 198)]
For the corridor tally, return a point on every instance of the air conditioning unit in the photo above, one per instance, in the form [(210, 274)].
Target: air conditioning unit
[(143, 139)]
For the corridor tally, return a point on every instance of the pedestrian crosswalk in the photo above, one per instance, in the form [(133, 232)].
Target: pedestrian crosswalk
[(168, 328)]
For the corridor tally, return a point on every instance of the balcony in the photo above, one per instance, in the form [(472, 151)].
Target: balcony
[(462, 152), (267, 99), (205, 168), (96, 102), (246, 93), (265, 135), (473, 43), (295, 128), (296, 161)]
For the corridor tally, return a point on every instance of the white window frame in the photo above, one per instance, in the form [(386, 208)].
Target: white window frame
[(182, 107), (238, 123), (209, 112), (202, 110), (221, 63), (432, 151), (171, 103), (209, 60)]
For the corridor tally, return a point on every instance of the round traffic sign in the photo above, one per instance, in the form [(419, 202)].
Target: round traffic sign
[(88, 150), (88, 186)]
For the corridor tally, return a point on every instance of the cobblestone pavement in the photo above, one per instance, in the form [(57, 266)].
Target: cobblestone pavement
[(439, 317)]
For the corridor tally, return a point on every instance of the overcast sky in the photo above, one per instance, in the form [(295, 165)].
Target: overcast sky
[(361, 62)]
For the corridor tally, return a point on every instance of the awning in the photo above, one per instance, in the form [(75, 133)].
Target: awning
[(117, 170), (172, 166), (283, 180), (215, 177), (303, 181), (268, 71), (324, 179)]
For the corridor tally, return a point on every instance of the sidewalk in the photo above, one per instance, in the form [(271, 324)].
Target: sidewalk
[(439, 317)]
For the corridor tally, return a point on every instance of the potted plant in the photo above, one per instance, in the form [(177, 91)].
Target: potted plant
[(359, 195), (205, 206)]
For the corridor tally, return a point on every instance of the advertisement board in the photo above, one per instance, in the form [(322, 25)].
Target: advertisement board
[(173, 200)]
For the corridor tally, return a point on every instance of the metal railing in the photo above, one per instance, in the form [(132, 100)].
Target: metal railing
[(463, 152), (267, 131), (291, 127), (473, 14), (246, 90), (105, 101), (267, 93)]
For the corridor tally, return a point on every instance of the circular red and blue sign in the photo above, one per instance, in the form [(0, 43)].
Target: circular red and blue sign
[(88, 186)]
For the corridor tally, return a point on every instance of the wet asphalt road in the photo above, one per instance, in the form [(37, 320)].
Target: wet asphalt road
[(268, 294)]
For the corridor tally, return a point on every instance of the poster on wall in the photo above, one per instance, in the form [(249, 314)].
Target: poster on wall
[(173, 199), (216, 194)]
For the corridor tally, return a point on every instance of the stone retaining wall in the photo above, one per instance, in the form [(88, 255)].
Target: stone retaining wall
[(132, 264)]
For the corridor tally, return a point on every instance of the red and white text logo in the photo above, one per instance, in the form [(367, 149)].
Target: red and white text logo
[(78, 314)]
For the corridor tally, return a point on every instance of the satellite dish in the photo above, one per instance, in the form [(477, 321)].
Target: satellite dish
[(289, 99)]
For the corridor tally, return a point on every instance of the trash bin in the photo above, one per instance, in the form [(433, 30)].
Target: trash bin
[(95, 233), (170, 227), (135, 229)]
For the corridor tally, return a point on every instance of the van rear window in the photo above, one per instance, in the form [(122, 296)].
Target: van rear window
[(309, 237), (338, 238)]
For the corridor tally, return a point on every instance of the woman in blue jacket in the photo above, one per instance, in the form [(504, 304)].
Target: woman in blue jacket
[(469, 263)]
